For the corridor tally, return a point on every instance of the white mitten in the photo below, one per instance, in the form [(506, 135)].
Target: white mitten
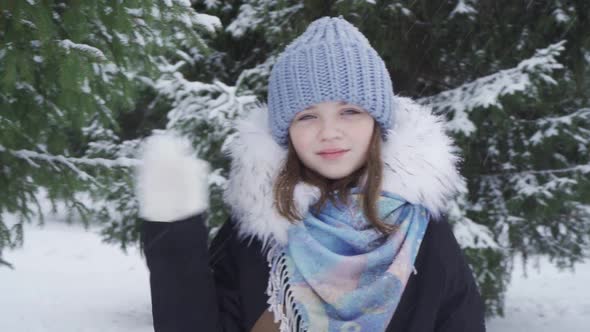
[(171, 183)]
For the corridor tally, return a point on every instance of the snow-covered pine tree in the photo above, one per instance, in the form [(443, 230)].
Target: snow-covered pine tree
[(204, 113), (527, 177), (70, 73), (512, 79)]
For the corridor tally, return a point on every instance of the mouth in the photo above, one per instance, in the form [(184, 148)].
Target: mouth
[(331, 154)]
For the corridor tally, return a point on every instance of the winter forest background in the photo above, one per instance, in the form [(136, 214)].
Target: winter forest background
[(83, 82)]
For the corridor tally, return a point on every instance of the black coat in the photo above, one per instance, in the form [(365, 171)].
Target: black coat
[(223, 288)]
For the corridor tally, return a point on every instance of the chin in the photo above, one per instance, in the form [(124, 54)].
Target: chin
[(333, 175)]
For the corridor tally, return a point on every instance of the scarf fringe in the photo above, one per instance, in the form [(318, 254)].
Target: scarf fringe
[(280, 294)]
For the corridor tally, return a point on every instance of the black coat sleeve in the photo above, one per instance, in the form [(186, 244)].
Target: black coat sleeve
[(462, 308), (186, 294)]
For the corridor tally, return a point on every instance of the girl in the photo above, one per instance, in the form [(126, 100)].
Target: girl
[(337, 193)]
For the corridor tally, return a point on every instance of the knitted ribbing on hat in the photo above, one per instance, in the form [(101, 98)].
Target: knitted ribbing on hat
[(330, 61)]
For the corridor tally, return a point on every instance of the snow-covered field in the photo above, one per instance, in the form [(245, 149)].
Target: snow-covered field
[(65, 279)]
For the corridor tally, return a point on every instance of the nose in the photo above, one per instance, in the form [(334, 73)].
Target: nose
[(330, 130)]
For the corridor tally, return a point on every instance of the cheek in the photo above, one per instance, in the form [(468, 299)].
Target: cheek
[(300, 138), (363, 131)]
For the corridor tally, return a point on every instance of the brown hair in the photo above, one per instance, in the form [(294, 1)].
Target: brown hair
[(294, 171)]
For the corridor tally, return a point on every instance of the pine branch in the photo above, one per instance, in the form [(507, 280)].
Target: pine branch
[(38, 97), (494, 192), (565, 119), (464, 7), (88, 50), (487, 91), (71, 162), (474, 235), (578, 168)]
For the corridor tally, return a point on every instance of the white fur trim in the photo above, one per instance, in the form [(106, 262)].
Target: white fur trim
[(171, 182), (419, 157), (419, 160), (256, 161)]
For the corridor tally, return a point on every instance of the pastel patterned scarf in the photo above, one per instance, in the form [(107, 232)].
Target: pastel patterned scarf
[(338, 273)]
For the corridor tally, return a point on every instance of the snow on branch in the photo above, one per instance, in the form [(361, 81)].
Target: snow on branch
[(486, 91), (189, 18), (582, 208), (70, 162), (566, 119), (262, 12), (248, 18), (94, 52), (529, 185), (195, 104), (464, 8), (209, 22), (38, 97), (584, 169), (554, 126), (183, 3), (493, 186), (472, 235), (215, 103), (542, 184), (282, 15), (560, 16), (469, 234), (583, 113)]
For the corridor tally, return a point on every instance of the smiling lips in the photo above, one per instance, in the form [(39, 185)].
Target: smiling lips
[(332, 153)]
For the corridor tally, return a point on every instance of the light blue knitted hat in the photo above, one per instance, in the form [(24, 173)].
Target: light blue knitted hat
[(331, 61)]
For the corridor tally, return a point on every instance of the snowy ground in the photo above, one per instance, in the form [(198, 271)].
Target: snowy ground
[(65, 279)]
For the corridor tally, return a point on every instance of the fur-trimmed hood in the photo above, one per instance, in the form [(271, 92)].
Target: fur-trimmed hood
[(419, 158)]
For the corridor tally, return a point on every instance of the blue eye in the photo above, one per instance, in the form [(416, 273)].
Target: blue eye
[(351, 111), (305, 117)]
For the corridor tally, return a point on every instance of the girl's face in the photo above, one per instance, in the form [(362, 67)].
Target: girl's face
[(332, 138)]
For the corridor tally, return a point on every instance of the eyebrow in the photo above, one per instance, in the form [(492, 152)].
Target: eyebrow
[(340, 103)]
